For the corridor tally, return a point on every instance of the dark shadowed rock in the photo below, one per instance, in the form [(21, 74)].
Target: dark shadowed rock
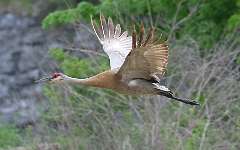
[(23, 46)]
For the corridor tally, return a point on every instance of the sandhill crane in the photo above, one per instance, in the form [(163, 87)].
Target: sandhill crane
[(137, 63)]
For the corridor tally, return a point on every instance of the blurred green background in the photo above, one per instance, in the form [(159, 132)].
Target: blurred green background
[(204, 64)]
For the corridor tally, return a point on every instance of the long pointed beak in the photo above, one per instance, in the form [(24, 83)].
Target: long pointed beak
[(45, 79)]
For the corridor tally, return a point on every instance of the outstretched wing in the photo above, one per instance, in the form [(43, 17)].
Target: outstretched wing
[(148, 58), (117, 45)]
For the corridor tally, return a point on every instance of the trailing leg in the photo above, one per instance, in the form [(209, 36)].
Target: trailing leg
[(166, 92)]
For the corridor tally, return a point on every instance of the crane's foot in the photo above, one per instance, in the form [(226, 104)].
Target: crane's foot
[(186, 101), (190, 102)]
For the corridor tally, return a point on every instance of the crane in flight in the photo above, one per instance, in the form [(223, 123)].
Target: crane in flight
[(137, 63)]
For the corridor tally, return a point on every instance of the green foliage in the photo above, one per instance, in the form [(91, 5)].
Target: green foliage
[(205, 25), (57, 54), (208, 24), (238, 60), (132, 7), (9, 137), (60, 17), (86, 9), (234, 22), (201, 99), (78, 67), (82, 11), (193, 141)]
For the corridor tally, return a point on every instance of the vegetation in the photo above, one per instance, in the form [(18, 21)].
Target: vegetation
[(203, 21), (9, 136), (204, 65)]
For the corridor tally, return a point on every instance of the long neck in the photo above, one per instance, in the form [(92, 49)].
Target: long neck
[(86, 81), (106, 79)]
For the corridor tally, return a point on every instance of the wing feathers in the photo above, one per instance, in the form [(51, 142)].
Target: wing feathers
[(117, 31), (141, 35), (116, 45), (150, 36), (97, 30), (124, 35), (134, 37), (104, 26), (147, 59), (111, 28)]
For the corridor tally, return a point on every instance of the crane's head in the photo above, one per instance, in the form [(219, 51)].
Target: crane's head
[(53, 78)]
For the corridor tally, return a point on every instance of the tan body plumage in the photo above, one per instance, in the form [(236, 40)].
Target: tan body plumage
[(137, 62), (110, 80)]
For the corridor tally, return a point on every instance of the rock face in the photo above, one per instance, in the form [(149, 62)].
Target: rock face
[(22, 48), (23, 53), (24, 58)]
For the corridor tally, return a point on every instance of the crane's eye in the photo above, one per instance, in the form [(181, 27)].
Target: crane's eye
[(55, 75)]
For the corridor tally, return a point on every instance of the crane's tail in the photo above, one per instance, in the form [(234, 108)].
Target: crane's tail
[(162, 90)]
